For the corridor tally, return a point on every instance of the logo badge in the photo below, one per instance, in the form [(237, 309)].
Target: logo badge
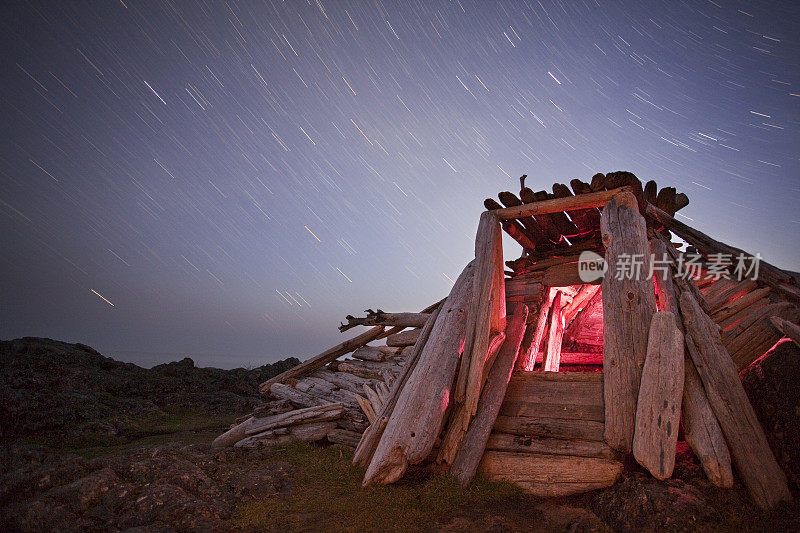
[(591, 266)]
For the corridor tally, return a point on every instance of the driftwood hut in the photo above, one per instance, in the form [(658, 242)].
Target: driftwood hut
[(616, 325)]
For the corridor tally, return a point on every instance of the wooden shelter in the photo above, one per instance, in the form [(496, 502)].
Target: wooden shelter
[(546, 373)]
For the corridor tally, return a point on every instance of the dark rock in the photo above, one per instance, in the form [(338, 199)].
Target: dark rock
[(772, 383), (48, 386), (163, 488)]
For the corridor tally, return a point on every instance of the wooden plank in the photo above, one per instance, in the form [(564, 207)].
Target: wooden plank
[(628, 307), (506, 442), (418, 415), (583, 201), (658, 410), (756, 465), (556, 409), (471, 448), (563, 275), (550, 475), (550, 427)]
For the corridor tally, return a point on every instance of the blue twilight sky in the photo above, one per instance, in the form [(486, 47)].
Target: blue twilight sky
[(235, 177)]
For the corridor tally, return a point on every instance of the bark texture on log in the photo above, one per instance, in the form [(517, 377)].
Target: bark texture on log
[(658, 410), (628, 307), (556, 335), (418, 416), (756, 465)]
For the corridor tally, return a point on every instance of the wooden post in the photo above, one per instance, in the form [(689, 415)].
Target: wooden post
[(555, 337), (472, 446), (764, 479), (658, 410), (628, 307), (418, 416)]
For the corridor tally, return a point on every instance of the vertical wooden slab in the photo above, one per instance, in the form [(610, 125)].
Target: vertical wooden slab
[(418, 416), (628, 307), (498, 312), (658, 410), (760, 473), (553, 356)]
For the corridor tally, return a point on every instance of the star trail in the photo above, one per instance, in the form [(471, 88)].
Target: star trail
[(236, 177)]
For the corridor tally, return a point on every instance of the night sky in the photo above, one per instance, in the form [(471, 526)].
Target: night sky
[(236, 177)]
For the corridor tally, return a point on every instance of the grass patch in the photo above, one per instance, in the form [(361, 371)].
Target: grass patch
[(328, 494), (159, 427)]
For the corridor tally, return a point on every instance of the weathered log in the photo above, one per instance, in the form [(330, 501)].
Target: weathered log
[(786, 328), (758, 335), (318, 361), (559, 219), (369, 440), (506, 442), (702, 430), (700, 426), (311, 432), (404, 338), (480, 309), (658, 410), (366, 407), (343, 380), (374, 399), (379, 318), (344, 437), (548, 475), (541, 323), (252, 426), (495, 343), (471, 447), (555, 336), (762, 476), (418, 416), (369, 353), (390, 350), (583, 201), (297, 397), (628, 307)]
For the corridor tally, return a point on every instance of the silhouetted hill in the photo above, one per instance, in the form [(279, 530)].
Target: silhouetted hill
[(48, 385)]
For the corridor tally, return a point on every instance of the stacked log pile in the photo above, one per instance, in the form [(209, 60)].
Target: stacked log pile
[(331, 397)]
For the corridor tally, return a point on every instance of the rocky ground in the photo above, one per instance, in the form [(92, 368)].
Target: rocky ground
[(91, 444)]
